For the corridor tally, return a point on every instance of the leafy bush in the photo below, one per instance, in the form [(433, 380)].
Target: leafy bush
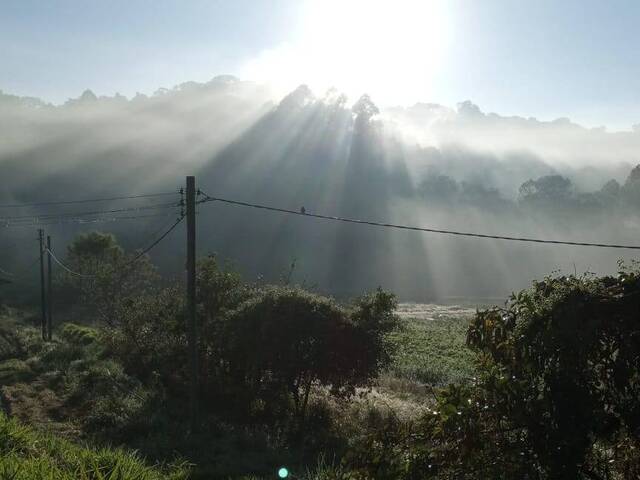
[(78, 334), (556, 397), (66, 357), (565, 363), (150, 338), (287, 340), (120, 416), (111, 279), (12, 343), (9, 346), (259, 349), (14, 371), (220, 290)]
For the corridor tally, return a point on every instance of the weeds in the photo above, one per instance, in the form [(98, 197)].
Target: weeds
[(26, 455)]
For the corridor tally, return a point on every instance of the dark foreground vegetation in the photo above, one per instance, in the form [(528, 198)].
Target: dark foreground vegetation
[(27, 455), (545, 387)]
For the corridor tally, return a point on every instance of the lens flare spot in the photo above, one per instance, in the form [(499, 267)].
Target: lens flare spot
[(283, 472)]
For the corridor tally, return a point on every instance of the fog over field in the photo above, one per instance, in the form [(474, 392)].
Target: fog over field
[(446, 167)]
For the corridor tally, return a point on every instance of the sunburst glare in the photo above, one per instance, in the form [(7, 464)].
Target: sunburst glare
[(389, 49)]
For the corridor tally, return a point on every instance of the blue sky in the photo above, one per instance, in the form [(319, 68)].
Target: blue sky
[(541, 58)]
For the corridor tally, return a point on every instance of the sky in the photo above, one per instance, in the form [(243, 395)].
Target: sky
[(542, 58)]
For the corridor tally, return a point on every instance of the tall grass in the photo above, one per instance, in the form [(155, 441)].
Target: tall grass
[(26, 455), (433, 352)]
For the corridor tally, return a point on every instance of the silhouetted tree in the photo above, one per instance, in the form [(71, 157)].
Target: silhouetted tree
[(611, 189), (105, 277), (631, 188), (364, 108), (299, 98), (551, 192)]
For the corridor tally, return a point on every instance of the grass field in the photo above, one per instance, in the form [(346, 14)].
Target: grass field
[(432, 344)]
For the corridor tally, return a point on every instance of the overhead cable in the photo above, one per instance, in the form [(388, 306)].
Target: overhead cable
[(59, 262), (46, 216), (87, 200), (81, 221), (157, 241), (127, 264), (302, 212)]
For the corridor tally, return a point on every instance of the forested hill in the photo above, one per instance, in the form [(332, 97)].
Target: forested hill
[(426, 165)]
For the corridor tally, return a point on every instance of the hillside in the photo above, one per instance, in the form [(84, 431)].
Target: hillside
[(335, 157)]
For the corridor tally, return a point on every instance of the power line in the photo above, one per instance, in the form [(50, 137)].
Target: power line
[(59, 262), (146, 250), (15, 276), (87, 200), (413, 228), (160, 228), (126, 265), (83, 221), (49, 216)]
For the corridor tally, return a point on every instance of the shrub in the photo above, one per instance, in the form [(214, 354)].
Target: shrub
[(14, 371), (120, 415), (78, 334), (556, 397), (564, 358), (150, 338), (286, 340), (111, 278), (219, 289), (9, 345)]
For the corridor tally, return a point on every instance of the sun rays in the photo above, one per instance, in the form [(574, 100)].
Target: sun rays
[(389, 49)]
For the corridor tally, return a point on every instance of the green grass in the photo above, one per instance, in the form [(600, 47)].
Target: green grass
[(14, 371), (321, 471), (433, 352), (9, 344), (25, 454)]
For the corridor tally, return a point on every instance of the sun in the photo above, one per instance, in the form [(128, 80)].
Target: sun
[(391, 49)]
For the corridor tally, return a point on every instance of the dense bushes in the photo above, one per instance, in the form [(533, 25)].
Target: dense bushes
[(110, 279), (287, 340), (78, 334), (556, 397), (266, 345), (553, 395), (150, 336), (568, 354)]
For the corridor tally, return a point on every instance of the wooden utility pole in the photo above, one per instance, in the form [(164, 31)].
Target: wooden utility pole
[(49, 290), (43, 298), (191, 298)]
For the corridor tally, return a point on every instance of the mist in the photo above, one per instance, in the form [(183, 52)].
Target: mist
[(427, 165)]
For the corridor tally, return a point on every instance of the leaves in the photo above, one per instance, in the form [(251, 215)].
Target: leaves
[(288, 339)]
